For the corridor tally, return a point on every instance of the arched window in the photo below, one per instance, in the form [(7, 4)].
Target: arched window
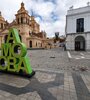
[(21, 20), (28, 21), (29, 33), (5, 38), (1, 25), (18, 20), (30, 44), (36, 44)]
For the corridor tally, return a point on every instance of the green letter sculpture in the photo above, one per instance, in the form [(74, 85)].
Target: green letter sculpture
[(13, 57)]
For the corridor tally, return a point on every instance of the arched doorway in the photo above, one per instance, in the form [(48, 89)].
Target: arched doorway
[(79, 43), (30, 44), (5, 38)]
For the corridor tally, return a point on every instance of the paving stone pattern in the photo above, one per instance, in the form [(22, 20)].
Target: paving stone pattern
[(57, 78)]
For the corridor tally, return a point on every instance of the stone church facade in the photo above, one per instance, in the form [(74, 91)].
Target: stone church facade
[(28, 28), (78, 29)]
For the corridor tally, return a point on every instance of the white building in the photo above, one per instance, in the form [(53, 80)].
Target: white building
[(78, 29)]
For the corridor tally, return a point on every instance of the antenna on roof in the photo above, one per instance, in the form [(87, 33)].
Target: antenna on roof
[(88, 3), (70, 8)]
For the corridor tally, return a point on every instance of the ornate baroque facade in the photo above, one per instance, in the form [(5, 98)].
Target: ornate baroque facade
[(29, 29)]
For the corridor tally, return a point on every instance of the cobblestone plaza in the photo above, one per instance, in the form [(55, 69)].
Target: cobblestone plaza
[(60, 75)]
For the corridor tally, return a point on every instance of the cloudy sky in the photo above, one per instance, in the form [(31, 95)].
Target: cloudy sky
[(50, 14)]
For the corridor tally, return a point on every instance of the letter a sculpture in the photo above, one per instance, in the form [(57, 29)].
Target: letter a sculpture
[(14, 59)]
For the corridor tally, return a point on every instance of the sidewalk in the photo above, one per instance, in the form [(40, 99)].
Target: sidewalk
[(55, 79), (46, 86)]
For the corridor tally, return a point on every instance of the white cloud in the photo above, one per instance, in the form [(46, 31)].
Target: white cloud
[(50, 13), (9, 8)]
